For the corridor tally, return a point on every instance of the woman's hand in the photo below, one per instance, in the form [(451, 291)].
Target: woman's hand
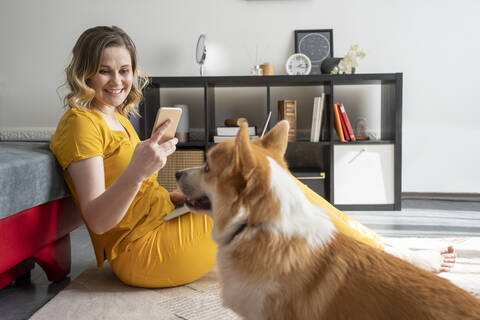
[(150, 156), (177, 198), (103, 208)]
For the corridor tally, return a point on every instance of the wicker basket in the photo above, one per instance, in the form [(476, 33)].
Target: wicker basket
[(179, 160)]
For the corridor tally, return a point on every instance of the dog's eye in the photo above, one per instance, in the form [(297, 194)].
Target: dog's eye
[(207, 168)]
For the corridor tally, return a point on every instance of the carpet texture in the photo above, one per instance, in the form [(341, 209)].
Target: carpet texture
[(98, 294)]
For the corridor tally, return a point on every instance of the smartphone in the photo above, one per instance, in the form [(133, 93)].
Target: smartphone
[(162, 115)]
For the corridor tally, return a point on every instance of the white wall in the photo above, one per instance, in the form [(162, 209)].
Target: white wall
[(434, 43)]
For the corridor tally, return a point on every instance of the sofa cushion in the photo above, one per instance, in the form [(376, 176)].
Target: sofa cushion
[(29, 176)]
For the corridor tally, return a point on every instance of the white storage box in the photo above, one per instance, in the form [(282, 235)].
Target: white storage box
[(364, 174)]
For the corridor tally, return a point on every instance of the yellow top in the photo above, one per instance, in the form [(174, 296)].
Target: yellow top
[(85, 134)]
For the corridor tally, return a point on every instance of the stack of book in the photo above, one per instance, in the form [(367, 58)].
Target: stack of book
[(317, 118), (229, 133), (342, 123), (287, 110)]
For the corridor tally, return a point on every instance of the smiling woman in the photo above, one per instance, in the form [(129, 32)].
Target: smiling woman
[(113, 175), (112, 83), (94, 45)]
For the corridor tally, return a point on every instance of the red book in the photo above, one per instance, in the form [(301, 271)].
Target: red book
[(342, 120), (350, 133), (338, 122)]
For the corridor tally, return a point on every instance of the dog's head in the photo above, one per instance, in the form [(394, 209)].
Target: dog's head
[(233, 186)]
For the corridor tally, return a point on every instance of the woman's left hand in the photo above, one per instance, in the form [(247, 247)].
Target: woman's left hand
[(178, 198)]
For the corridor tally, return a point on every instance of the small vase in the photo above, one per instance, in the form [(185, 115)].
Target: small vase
[(329, 63)]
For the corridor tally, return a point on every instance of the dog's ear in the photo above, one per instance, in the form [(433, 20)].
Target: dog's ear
[(244, 158), (276, 139)]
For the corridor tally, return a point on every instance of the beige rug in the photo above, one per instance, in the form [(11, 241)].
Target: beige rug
[(98, 294)]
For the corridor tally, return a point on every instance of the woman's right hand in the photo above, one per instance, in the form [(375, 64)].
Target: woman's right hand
[(150, 156)]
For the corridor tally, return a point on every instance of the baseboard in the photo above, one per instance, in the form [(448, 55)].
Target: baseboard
[(473, 197)]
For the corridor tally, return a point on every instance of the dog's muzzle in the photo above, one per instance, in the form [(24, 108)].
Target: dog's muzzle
[(188, 183)]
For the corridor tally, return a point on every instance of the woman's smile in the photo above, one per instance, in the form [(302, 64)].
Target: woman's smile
[(114, 92), (113, 81)]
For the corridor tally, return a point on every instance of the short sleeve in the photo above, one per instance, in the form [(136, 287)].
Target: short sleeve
[(77, 137)]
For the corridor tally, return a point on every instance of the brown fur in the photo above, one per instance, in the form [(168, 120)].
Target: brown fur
[(344, 279), (243, 187), (350, 280)]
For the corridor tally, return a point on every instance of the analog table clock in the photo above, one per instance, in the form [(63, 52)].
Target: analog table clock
[(298, 64)]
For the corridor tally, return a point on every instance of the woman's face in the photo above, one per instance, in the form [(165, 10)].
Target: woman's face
[(113, 81)]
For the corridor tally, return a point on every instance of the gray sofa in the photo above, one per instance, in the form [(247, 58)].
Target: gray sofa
[(36, 212)]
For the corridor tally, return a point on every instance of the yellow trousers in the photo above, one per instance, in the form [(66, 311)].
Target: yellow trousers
[(180, 250), (177, 252)]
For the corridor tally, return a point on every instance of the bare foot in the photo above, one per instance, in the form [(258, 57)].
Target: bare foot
[(435, 261), (449, 257)]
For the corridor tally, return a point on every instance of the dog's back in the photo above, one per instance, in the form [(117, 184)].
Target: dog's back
[(350, 280)]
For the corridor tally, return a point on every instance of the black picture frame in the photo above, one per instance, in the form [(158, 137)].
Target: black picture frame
[(312, 43)]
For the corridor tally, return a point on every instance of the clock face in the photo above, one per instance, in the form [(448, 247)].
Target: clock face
[(298, 64), (316, 46)]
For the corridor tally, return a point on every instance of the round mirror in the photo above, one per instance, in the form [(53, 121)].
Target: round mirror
[(201, 52)]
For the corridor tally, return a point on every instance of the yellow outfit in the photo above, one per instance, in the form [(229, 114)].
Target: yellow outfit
[(342, 222), (85, 134), (143, 249)]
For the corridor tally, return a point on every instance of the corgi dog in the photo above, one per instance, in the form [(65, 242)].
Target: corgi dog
[(280, 257)]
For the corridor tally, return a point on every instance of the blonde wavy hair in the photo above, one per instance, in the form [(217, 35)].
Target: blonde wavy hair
[(85, 63)]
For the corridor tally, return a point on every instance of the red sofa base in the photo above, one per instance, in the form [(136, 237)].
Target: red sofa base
[(16, 272), (41, 235)]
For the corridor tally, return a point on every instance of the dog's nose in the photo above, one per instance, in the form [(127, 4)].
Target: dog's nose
[(178, 175)]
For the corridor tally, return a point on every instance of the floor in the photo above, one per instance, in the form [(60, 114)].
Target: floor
[(417, 218)]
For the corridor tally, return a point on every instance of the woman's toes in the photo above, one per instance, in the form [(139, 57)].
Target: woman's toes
[(448, 250), (446, 267), (449, 256)]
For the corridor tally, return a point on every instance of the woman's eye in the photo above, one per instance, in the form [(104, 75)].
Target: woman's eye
[(103, 71), (124, 71)]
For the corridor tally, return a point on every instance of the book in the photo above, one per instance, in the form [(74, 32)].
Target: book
[(180, 211), (320, 116), (344, 126), (322, 130), (218, 139), (232, 131), (351, 135), (287, 110), (317, 118), (324, 127), (313, 130), (338, 123), (235, 122)]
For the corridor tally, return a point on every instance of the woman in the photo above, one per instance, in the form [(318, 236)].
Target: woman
[(112, 174)]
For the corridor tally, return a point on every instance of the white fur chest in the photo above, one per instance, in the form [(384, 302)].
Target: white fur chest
[(239, 293)]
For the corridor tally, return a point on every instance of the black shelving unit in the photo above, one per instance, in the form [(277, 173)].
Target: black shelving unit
[(300, 154)]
